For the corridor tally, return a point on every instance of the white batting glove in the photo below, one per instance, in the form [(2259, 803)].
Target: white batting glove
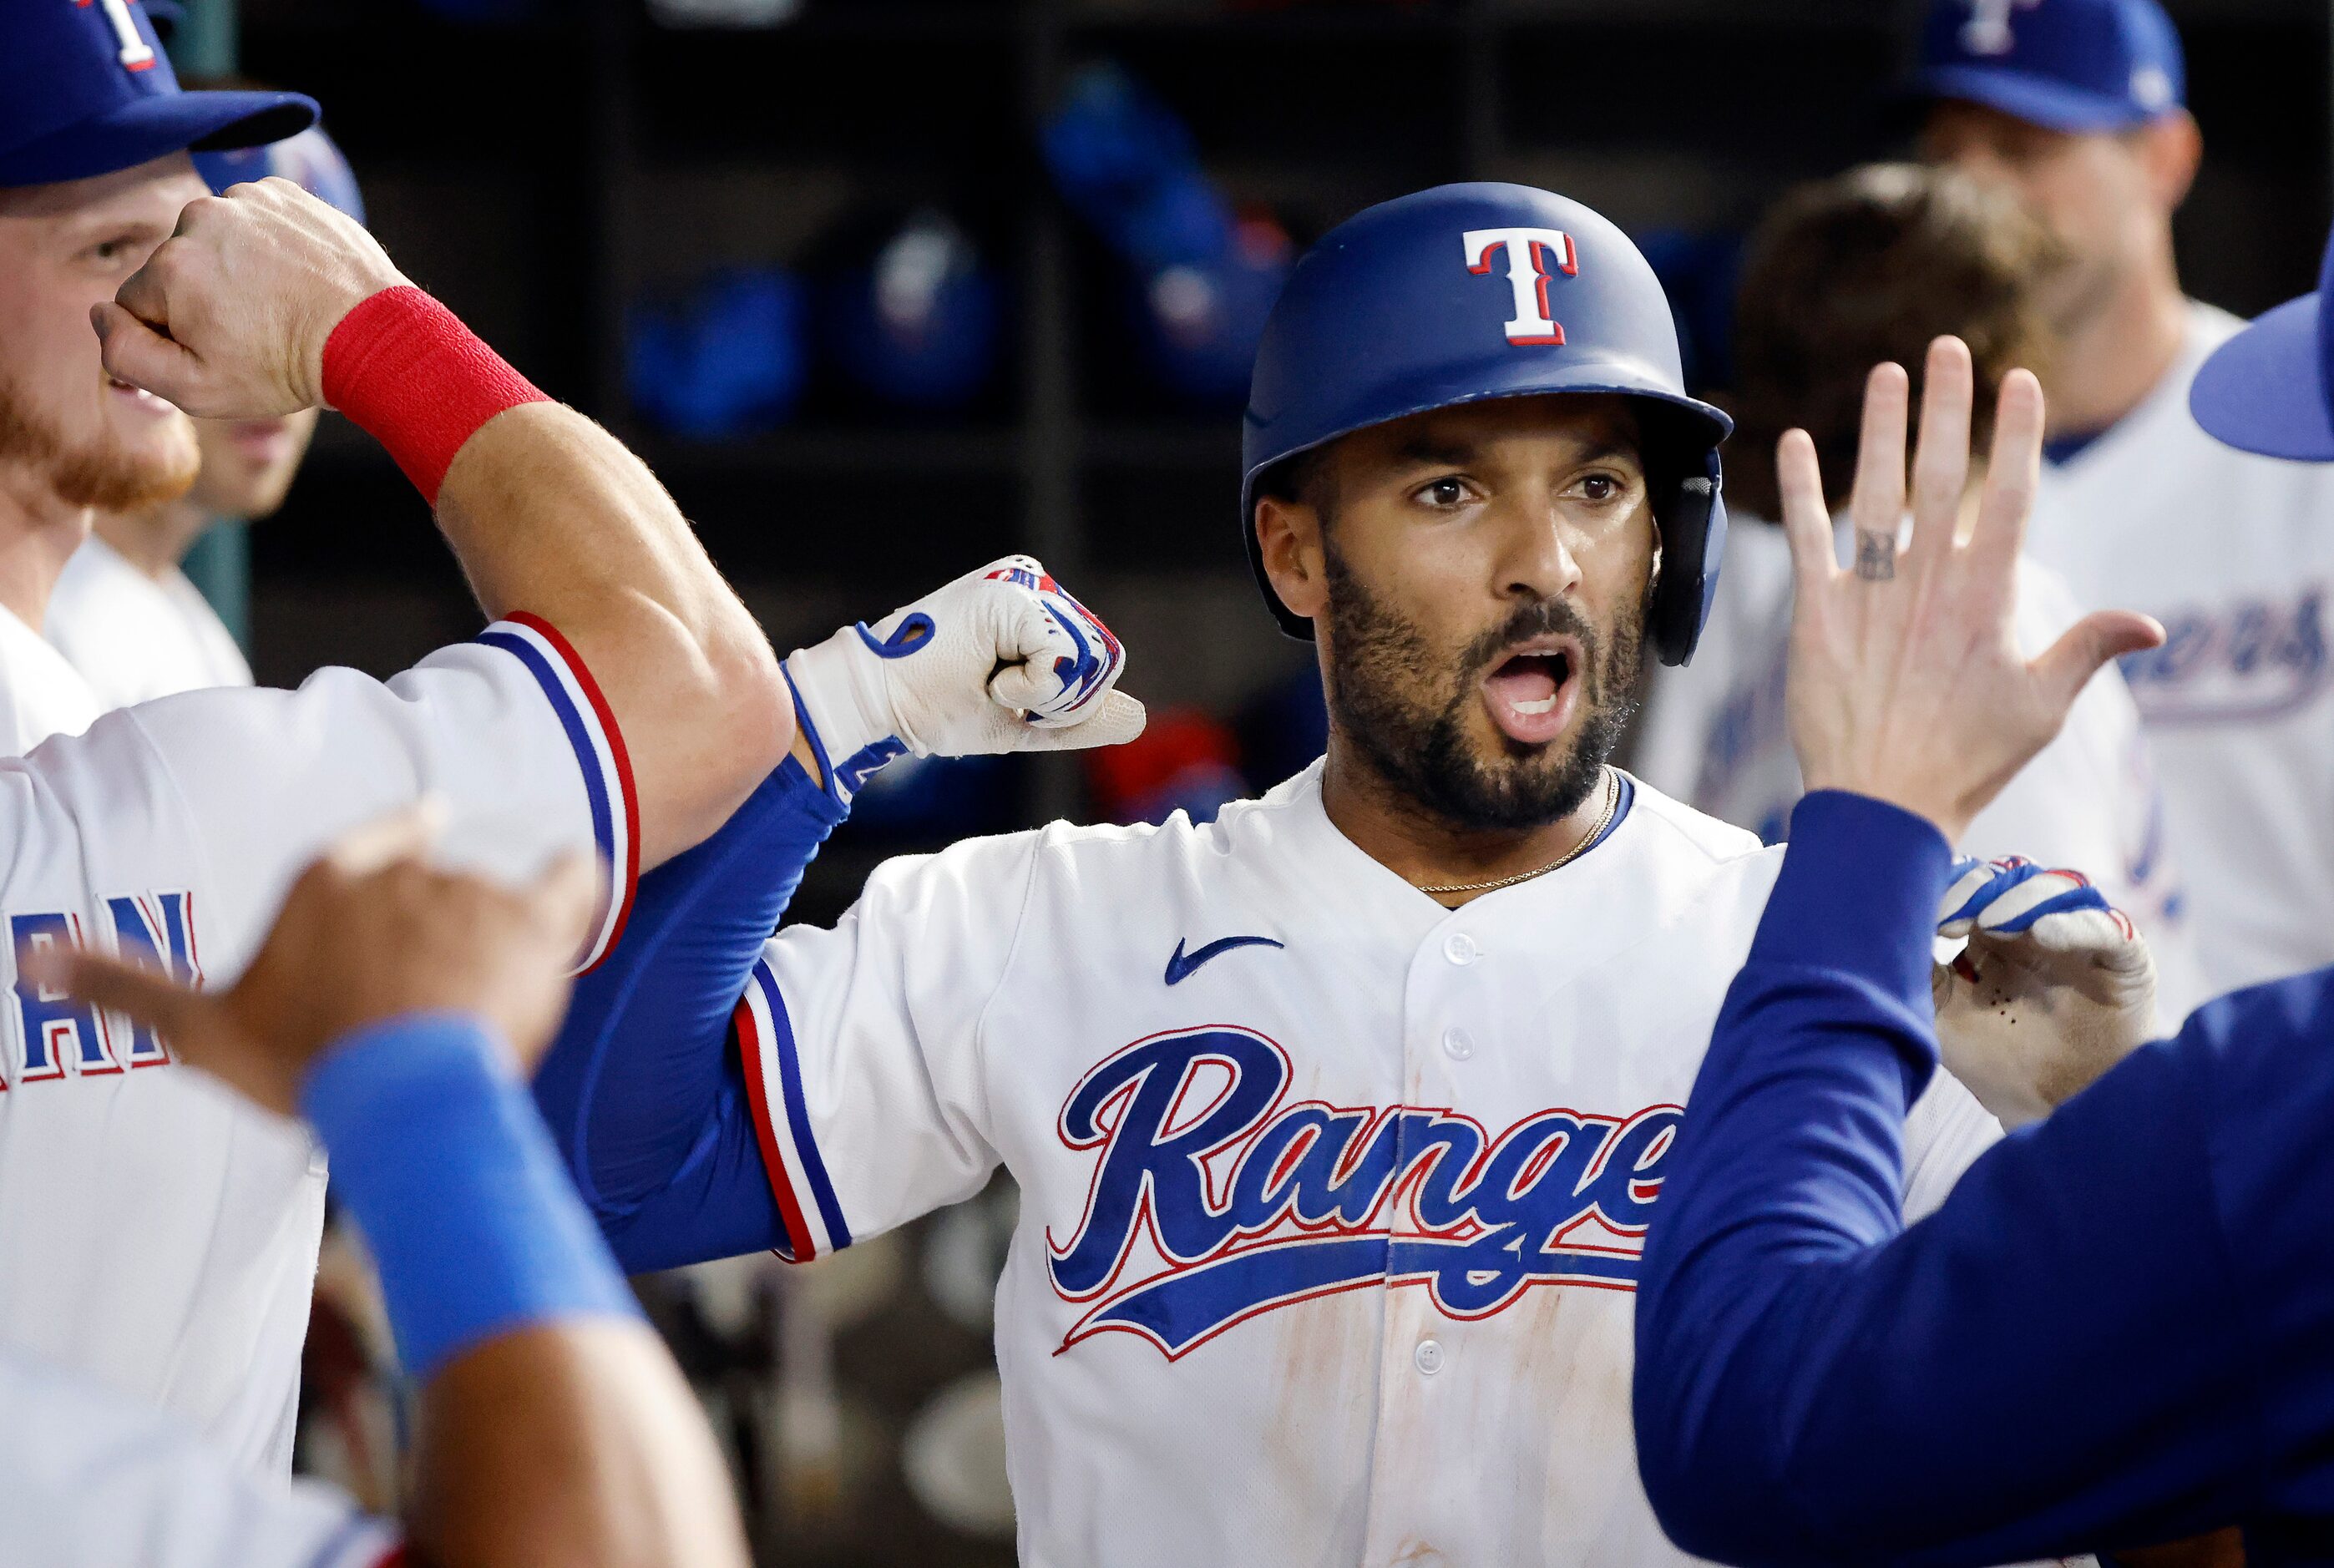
[(2054, 987), (1001, 659)]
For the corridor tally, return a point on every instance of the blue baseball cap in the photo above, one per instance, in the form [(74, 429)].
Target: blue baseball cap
[(86, 90), (2271, 389), (2073, 65), (310, 159)]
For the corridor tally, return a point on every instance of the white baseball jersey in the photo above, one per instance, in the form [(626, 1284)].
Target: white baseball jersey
[(156, 1231), (2234, 554), (1332, 1199), (1716, 734), (95, 1479), (41, 693), (135, 638)]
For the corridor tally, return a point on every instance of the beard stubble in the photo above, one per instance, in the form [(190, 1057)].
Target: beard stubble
[(103, 474), (1404, 706)]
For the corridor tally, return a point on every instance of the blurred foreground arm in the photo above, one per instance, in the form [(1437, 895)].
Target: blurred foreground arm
[(267, 301), (398, 1006)]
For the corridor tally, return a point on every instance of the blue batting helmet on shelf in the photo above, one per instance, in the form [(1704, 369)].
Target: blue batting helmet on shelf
[(916, 317), (311, 160), (1466, 292)]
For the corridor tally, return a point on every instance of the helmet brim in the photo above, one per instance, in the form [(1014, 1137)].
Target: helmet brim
[(145, 128), (2264, 391)]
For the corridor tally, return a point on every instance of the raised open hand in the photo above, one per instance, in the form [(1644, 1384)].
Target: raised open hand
[(1905, 682)]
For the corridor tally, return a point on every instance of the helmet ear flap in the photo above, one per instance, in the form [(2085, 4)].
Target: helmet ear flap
[(1690, 512)]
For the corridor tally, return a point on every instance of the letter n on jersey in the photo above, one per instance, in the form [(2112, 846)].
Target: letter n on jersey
[(58, 1036)]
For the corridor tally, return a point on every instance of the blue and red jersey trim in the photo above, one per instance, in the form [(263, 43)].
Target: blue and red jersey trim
[(599, 745), (790, 1156)]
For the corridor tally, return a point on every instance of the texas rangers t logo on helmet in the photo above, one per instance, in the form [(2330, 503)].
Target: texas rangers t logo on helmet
[(136, 53), (1988, 32), (1529, 251)]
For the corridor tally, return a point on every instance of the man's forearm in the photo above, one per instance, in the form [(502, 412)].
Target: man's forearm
[(577, 1443), (553, 1426), (1792, 1146), (267, 301), (550, 515)]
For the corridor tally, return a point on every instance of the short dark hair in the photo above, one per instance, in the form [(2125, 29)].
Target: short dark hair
[(1304, 478), (1869, 267)]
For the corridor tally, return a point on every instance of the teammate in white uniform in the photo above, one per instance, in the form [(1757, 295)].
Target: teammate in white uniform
[(2076, 104), (40, 693), (154, 1232), (1337, 1121), (124, 613), (393, 1005), (136, 631), (180, 1503), (1859, 270)]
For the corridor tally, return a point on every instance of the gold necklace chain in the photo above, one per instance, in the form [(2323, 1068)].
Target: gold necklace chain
[(1612, 804)]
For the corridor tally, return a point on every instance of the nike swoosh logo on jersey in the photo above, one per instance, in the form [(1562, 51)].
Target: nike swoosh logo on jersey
[(1180, 967)]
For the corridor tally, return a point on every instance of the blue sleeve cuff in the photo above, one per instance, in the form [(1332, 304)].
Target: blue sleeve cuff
[(815, 801), (1857, 892), (439, 1152)]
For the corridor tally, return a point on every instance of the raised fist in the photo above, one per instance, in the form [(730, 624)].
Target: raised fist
[(228, 317), (1001, 659)]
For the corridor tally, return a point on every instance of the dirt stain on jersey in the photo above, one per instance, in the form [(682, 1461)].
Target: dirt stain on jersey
[(1324, 1405)]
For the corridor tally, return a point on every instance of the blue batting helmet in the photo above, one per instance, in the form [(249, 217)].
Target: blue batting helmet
[(311, 160), (1467, 293)]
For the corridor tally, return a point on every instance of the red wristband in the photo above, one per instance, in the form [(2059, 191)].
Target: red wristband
[(417, 380)]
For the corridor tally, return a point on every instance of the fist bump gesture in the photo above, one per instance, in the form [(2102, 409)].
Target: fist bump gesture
[(1001, 659)]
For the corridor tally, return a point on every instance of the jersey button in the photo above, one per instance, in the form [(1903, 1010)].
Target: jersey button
[(1429, 1356), (1459, 948), (1457, 1044)]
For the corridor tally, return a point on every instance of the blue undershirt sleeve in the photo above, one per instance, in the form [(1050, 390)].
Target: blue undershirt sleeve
[(2066, 1356), (643, 1088)]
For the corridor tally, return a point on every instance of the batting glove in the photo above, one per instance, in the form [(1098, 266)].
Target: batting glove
[(1001, 659), (2053, 989)]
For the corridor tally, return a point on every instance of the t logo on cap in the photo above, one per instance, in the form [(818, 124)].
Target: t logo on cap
[(1988, 32), (1529, 251), (137, 54)]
